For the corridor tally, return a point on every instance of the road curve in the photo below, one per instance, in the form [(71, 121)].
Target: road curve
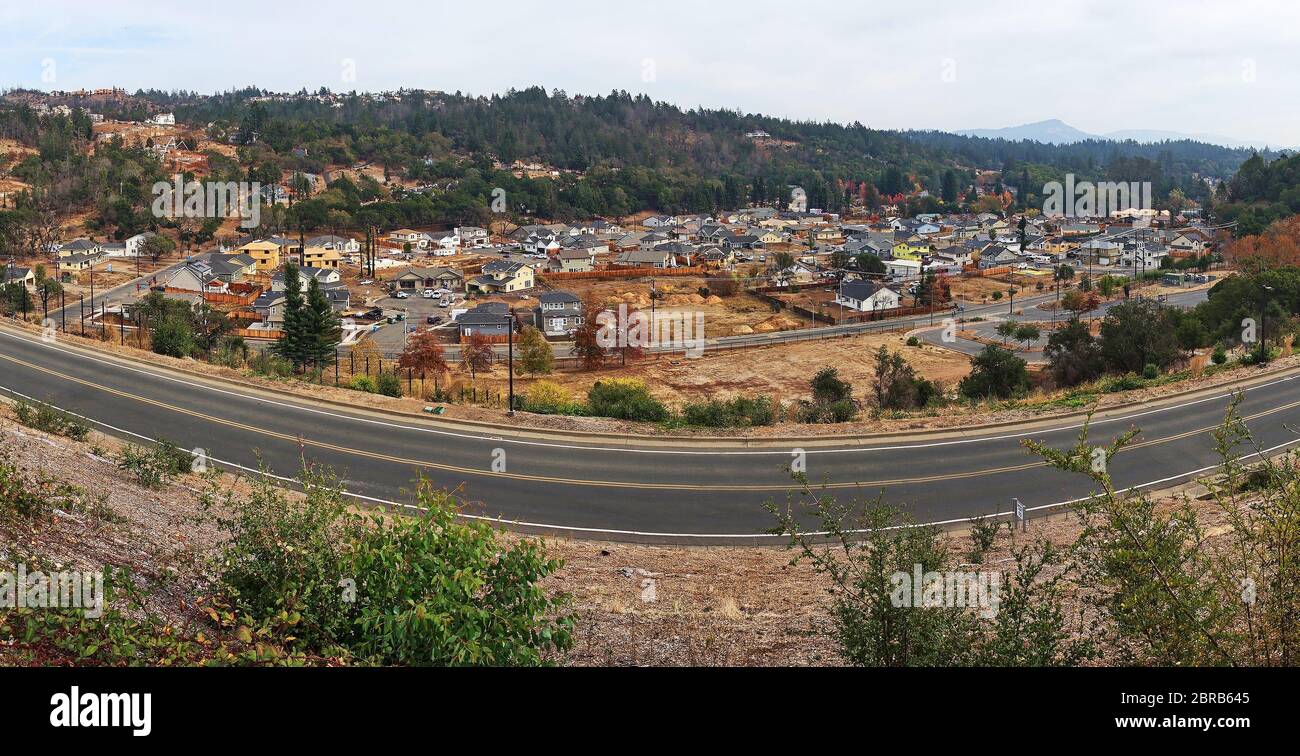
[(598, 489)]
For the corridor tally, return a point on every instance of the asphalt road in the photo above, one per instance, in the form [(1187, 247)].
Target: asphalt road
[(604, 489)]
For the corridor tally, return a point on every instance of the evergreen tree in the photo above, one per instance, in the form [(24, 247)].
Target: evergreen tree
[(290, 343), (321, 332)]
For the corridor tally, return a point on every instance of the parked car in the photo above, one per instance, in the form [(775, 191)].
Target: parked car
[(428, 294), (433, 319), (402, 295)]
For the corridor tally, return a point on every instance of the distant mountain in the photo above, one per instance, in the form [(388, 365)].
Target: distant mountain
[(1052, 131), (1056, 131)]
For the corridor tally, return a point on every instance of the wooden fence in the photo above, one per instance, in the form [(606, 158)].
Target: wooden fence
[(249, 333), (576, 275)]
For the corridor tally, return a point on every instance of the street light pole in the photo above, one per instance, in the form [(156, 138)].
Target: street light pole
[(510, 351)]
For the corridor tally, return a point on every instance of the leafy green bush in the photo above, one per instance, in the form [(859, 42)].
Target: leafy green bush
[(152, 467), (363, 383), (1220, 355), (1126, 382), (550, 398), (832, 399), (1150, 372), (995, 372), (737, 412), (388, 384), (48, 418), (913, 341), (625, 399), (423, 590)]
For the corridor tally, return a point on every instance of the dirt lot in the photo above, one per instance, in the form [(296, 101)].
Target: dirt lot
[(782, 371), (723, 316), (977, 289)]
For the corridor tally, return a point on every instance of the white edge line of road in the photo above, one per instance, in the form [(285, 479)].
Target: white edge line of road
[(687, 452), (650, 534)]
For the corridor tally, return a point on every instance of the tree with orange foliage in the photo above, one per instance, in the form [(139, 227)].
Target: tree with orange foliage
[(586, 342), (476, 355), (423, 354), (1277, 247)]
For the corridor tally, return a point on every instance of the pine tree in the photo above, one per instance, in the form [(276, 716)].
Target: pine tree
[(290, 343), (321, 330)]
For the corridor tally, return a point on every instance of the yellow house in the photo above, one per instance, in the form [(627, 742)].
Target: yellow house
[(266, 254), (910, 250), (319, 257)]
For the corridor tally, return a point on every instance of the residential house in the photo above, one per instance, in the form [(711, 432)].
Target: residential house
[(996, 256), (472, 237), (265, 254), (488, 319), (404, 236), (866, 296), (911, 248), (320, 257), (646, 258), (13, 274), (231, 268), (1188, 244), (343, 244), (501, 277), (79, 261), (569, 261), (197, 277), (419, 279), (325, 277), (80, 247), (558, 313)]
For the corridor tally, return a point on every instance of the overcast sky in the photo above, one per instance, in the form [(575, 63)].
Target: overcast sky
[(1199, 67)]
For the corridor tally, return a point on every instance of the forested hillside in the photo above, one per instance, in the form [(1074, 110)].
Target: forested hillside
[(617, 154)]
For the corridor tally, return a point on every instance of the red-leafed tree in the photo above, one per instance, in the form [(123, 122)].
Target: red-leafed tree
[(423, 354)]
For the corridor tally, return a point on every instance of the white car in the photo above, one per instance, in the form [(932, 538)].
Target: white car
[(402, 295), (428, 294)]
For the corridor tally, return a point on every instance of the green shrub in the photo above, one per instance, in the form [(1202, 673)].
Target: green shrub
[(388, 384), (48, 418), (550, 398), (737, 412), (425, 589), (152, 467), (363, 383), (913, 341), (177, 459), (1220, 355), (625, 399), (270, 365), (1126, 382), (1150, 372)]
